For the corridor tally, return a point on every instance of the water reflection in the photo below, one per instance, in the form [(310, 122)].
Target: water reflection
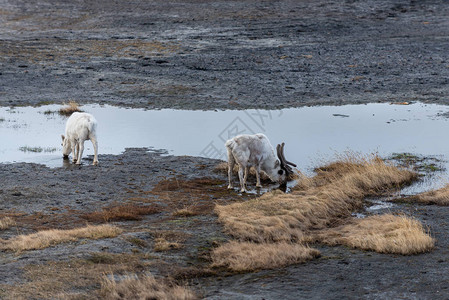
[(312, 134), (378, 204)]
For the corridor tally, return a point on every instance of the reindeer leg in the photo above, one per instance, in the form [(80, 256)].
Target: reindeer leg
[(74, 145), (242, 182), (95, 144), (80, 151), (77, 150), (231, 163), (258, 185)]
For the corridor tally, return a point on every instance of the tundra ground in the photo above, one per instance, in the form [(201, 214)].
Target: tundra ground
[(194, 54), (164, 208)]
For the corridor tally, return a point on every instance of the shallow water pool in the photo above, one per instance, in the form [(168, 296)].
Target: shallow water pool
[(312, 134)]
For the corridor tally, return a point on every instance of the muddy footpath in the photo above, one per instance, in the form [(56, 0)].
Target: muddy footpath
[(205, 55)]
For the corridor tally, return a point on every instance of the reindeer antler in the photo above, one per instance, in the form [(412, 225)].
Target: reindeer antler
[(285, 164)]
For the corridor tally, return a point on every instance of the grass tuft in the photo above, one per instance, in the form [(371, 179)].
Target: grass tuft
[(437, 197), (126, 212), (76, 278), (381, 233), (185, 212), (47, 238), (69, 108), (247, 256), (6, 222), (144, 287), (161, 244), (316, 204)]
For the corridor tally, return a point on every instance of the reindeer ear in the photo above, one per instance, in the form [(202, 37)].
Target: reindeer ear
[(276, 164), (63, 137)]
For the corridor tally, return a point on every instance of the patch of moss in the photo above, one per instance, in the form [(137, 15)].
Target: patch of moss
[(423, 164)]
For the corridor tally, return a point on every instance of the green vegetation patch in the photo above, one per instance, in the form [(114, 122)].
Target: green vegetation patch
[(422, 164), (38, 149)]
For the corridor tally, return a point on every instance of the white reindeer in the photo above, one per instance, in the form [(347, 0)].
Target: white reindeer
[(79, 128), (256, 150)]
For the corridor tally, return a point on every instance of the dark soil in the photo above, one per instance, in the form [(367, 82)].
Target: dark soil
[(223, 54), (41, 198), (209, 55)]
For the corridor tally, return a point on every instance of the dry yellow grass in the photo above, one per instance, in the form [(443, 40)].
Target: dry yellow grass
[(381, 233), (317, 202), (185, 212), (6, 222), (47, 238), (145, 287), (364, 175), (73, 279), (246, 256), (438, 197), (124, 212), (161, 244), (69, 108), (314, 205)]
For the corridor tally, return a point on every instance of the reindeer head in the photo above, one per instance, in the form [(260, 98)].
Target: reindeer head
[(66, 147), (285, 169)]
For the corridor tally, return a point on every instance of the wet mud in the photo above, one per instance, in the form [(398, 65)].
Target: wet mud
[(223, 55)]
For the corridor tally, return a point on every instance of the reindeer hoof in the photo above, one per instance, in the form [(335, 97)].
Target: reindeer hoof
[(95, 163), (230, 187), (242, 191), (259, 186)]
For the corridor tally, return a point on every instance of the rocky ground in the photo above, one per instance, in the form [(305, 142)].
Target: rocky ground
[(207, 55)]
